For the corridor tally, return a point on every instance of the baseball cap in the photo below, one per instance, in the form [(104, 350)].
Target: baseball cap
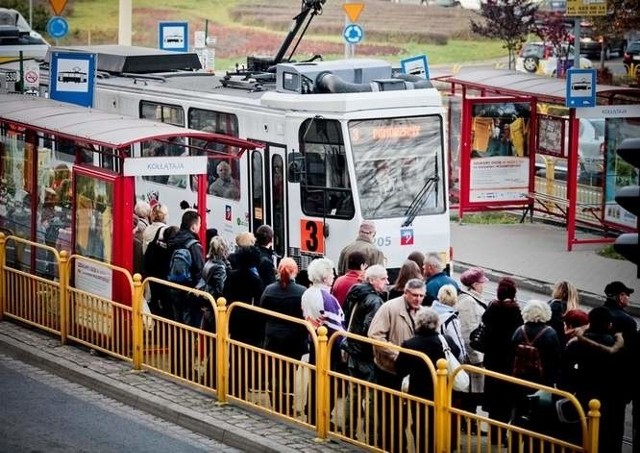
[(615, 288)]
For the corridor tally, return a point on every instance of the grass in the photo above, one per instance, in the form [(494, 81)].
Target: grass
[(486, 218), (97, 21), (608, 252)]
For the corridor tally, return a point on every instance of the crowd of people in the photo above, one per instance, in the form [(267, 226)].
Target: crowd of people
[(584, 352)]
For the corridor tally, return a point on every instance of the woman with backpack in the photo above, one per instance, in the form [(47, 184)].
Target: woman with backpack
[(214, 274)]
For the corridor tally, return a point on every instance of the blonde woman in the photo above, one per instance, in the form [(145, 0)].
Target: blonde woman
[(564, 298)]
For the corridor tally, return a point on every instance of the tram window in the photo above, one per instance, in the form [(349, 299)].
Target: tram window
[(399, 165), (170, 114), (210, 121), (171, 147), (326, 188), (224, 178)]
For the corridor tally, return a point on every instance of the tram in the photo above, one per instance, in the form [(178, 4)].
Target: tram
[(339, 142)]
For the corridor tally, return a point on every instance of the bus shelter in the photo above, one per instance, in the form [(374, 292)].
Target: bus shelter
[(521, 148), (68, 178)]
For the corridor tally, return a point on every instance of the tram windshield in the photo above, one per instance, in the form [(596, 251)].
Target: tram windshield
[(399, 166)]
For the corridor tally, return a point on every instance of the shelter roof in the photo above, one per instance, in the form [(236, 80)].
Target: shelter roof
[(102, 128), (546, 89)]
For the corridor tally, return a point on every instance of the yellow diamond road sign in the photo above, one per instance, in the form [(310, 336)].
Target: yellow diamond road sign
[(353, 10), (586, 7)]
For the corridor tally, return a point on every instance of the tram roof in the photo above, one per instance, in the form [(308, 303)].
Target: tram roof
[(546, 89), (94, 126)]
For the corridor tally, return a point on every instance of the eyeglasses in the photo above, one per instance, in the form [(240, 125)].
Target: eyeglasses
[(411, 293)]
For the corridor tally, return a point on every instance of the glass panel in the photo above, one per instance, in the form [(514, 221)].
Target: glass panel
[(399, 164), (277, 189), (94, 218), (326, 188), (258, 187), (171, 114), (16, 189), (209, 121)]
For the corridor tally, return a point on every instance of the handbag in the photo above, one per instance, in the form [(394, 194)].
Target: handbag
[(461, 379), (477, 338)]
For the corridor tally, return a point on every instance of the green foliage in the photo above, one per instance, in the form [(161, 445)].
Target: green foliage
[(485, 218), (40, 14), (608, 252), (510, 21)]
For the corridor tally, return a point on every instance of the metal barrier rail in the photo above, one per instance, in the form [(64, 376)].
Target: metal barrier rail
[(29, 298), (177, 350), (269, 381)]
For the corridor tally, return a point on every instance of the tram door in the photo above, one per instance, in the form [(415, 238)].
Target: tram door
[(268, 194)]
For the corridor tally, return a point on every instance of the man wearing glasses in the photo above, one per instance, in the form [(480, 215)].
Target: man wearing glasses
[(393, 323)]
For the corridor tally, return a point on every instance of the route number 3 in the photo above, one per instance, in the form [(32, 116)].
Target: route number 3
[(311, 237)]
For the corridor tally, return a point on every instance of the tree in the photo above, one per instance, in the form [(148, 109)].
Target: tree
[(507, 20), (40, 14), (552, 28)]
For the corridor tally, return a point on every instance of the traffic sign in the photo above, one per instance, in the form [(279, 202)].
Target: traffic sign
[(173, 36), (417, 66), (58, 6), (57, 27), (32, 76), (73, 77), (581, 88), (353, 10), (353, 34)]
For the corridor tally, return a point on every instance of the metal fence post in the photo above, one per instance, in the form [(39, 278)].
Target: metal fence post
[(593, 426), (3, 252), (322, 384), (136, 306), (63, 274), (441, 402), (222, 341)]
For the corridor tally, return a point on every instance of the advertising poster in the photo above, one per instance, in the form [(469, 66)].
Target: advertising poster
[(618, 172), (499, 168), (93, 312)]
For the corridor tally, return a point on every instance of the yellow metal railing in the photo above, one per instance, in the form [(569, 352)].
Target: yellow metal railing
[(102, 307)]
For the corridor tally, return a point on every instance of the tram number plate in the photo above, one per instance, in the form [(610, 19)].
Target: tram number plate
[(311, 236), (11, 76)]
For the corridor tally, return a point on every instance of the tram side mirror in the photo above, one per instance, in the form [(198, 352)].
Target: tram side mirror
[(295, 168)]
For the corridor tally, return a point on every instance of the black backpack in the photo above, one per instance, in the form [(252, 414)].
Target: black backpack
[(156, 257)]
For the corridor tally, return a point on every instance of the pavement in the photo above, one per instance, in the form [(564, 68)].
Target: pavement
[(534, 254)]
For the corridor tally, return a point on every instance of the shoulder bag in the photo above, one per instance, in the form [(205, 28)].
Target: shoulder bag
[(461, 378)]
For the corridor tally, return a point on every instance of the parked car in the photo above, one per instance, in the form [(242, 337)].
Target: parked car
[(632, 54), (592, 44), (542, 57)]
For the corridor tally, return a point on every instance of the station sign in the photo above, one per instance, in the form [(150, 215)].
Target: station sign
[(418, 66), (165, 165), (581, 88), (73, 77), (173, 36), (586, 8)]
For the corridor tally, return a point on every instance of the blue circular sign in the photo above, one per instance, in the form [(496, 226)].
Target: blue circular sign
[(58, 27), (353, 33)]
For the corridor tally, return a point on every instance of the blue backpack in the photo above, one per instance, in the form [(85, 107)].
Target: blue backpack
[(180, 264)]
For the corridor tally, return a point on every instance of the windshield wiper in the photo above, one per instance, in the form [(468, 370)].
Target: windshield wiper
[(421, 198)]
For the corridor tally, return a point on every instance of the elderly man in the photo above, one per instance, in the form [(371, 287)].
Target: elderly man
[(363, 243), (225, 185), (435, 277), (394, 323)]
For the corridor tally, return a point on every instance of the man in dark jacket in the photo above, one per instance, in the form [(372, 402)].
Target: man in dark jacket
[(617, 301), (267, 263), (361, 304), (184, 310)]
